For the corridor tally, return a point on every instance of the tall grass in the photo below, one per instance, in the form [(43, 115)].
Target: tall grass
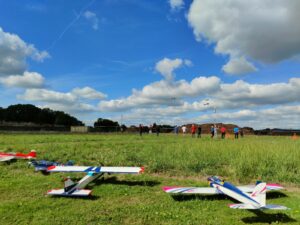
[(253, 157), (130, 199)]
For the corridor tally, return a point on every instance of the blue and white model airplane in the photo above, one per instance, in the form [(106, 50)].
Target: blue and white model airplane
[(74, 189), (255, 199)]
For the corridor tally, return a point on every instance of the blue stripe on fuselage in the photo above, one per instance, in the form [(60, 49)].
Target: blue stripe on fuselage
[(93, 169), (236, 190)]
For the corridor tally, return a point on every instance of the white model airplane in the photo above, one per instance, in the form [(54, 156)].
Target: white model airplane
[(255, 200), (8, 156), (77, 189)]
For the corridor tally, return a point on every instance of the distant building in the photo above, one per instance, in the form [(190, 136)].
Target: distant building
[(80, 129)]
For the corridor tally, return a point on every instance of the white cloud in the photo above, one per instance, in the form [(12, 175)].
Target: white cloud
[(168, 101), (260, 94), (276, 117), (74, 108), (238, 66), (14, 52), (287, 116), (166, 66), (44, 95), (71, 102), (163, 93), (188, 62), (92, 17), (27, 80), (168, 97), (88, 93), (176, 4), (263, 30)]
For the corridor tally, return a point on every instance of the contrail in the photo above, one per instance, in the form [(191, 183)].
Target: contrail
[(70, 24)]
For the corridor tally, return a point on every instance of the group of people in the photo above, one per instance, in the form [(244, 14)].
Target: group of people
[(195, 130), (236, 131), (213, 131)]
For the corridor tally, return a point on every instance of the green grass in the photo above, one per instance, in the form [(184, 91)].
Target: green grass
[(138, 199)]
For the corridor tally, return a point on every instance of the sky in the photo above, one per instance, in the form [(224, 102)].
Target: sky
[(163, 61)]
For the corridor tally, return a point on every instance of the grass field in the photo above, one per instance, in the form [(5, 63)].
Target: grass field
[(138, 199)]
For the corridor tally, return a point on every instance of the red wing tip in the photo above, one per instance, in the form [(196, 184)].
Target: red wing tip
[(142, 170), (50, 168), (166, 188)]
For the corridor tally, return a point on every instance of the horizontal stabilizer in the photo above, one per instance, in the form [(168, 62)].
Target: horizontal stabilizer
[(243, 206), (92, 169), (191, 190), (75, 193), (274, 187), (6, 158), (276, 207), (249, 206)]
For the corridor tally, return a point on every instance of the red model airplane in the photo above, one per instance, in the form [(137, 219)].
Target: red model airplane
[(8, 156)]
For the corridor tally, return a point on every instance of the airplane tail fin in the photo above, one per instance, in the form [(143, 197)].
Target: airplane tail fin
[(32, 154), (68, 184), (259, 193)]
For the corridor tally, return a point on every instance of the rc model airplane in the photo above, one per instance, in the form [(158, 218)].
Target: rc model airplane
[(77, 189), (8, 156), (255, 200)]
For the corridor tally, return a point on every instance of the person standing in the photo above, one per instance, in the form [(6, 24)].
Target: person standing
[(236, 132), (157, 130), (212, 131), (215, 131), (199, 132), (150, 129), (176, 130), (223, 132), (183, 130), (141, 129), (193, 129)]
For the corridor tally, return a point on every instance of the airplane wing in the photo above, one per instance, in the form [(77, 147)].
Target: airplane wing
[(68, 168), (212, 190), (76, 193), (102, 169), (191, 190), (6, 158), (105, 169)]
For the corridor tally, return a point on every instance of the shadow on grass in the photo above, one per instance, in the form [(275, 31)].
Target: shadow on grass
[(275, 194), (114, 180), (8, 162), (190, 197), (262, 217), (90, 197)]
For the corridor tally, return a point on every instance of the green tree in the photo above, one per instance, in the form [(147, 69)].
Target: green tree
[(106, 125)]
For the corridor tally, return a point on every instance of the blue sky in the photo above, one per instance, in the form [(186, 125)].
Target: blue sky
[(154, 61)]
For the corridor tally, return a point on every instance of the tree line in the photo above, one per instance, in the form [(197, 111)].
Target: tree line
[(26, 113)]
